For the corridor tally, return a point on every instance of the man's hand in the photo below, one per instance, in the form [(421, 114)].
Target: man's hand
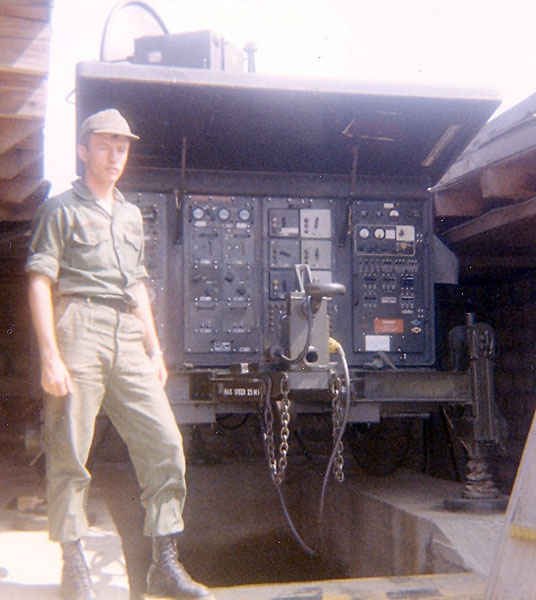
[(55, 378), (160, 367)]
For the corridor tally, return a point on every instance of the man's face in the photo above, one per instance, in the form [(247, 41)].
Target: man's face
[(104, 157)]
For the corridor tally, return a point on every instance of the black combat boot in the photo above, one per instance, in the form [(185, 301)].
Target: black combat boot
[(75, 578), (167, 578)]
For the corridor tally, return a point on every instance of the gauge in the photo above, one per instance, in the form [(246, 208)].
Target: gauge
[(379, 233), (224, 214), (198, 213), (244, 214), (364, 233)]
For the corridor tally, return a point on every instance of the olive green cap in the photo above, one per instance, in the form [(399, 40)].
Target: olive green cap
[(107, 121)]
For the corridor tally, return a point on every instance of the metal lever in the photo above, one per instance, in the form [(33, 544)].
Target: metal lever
[(324, 290)]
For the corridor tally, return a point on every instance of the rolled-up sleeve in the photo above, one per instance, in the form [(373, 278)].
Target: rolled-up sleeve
[(46, 246), (141, 271)]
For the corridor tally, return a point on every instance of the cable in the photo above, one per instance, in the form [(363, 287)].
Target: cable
[(116, 9), (307, 549), (339, 349)]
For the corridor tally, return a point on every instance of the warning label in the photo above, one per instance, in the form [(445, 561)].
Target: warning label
[(388, 326)]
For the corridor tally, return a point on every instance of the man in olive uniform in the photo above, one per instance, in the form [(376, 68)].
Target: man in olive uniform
[(99, 349)]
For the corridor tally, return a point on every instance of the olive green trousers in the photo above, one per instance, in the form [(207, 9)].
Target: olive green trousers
[(103, 350)]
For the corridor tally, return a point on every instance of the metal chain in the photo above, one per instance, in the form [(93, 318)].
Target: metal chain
[(337, 415), (278, 465)]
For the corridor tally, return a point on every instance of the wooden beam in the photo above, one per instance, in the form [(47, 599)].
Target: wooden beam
[(17, 190), (37, 10), (21, 80), (459, 202), (32, 142), (22, 102), (15, 161), (24, 45), (512, 180), (13, 132), (24, 210), (19, 28), (471, 262), (491, 221)]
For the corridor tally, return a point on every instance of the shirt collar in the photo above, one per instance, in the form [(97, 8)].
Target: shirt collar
[(81, 189)]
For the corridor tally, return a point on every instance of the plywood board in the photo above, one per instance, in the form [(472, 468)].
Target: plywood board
[(512, 576)]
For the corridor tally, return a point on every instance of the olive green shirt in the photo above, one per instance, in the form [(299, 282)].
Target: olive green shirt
[(85, 250)]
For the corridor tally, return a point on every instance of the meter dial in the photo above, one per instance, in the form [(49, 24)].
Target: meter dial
[(364, 233), (198, 213), (379, 233), (244, 214), (224, 214)]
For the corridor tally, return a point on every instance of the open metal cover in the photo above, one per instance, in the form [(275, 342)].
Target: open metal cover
[(253, 122)]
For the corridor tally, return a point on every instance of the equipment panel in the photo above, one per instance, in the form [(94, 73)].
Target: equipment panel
[(238, 270), (221, 280), (296, 231), (155, 210), (392, 288)]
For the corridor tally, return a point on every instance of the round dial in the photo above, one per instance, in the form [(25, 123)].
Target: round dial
[(244, 214), (224, 214), (364, 233), (379, 233), (198, 213)]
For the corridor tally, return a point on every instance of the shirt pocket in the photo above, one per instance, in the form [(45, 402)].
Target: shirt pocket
[(89, 247), (130, 247)]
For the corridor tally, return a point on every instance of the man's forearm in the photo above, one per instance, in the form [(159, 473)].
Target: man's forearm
[(42, 311), (55, 378)]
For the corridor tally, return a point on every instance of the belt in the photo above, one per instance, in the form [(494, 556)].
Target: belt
[(118, 304)]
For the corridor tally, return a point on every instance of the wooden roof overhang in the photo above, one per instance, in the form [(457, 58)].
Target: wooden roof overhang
[(486, 202)]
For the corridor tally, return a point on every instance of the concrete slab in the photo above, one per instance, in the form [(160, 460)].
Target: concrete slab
[(463, 586), (237, 538), (401, 526), (30, 564)]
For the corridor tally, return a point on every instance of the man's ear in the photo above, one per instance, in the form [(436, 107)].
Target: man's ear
[(82, 152)]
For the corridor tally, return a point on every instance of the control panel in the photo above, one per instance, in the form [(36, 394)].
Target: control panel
[(296, 231), (392, 284), (222, 268), (222, 291), (156, 212)]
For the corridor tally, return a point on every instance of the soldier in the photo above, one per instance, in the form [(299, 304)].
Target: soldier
[(99, 348)]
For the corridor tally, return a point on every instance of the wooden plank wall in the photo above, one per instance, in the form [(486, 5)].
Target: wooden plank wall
[(24, 59), (24, 64)]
